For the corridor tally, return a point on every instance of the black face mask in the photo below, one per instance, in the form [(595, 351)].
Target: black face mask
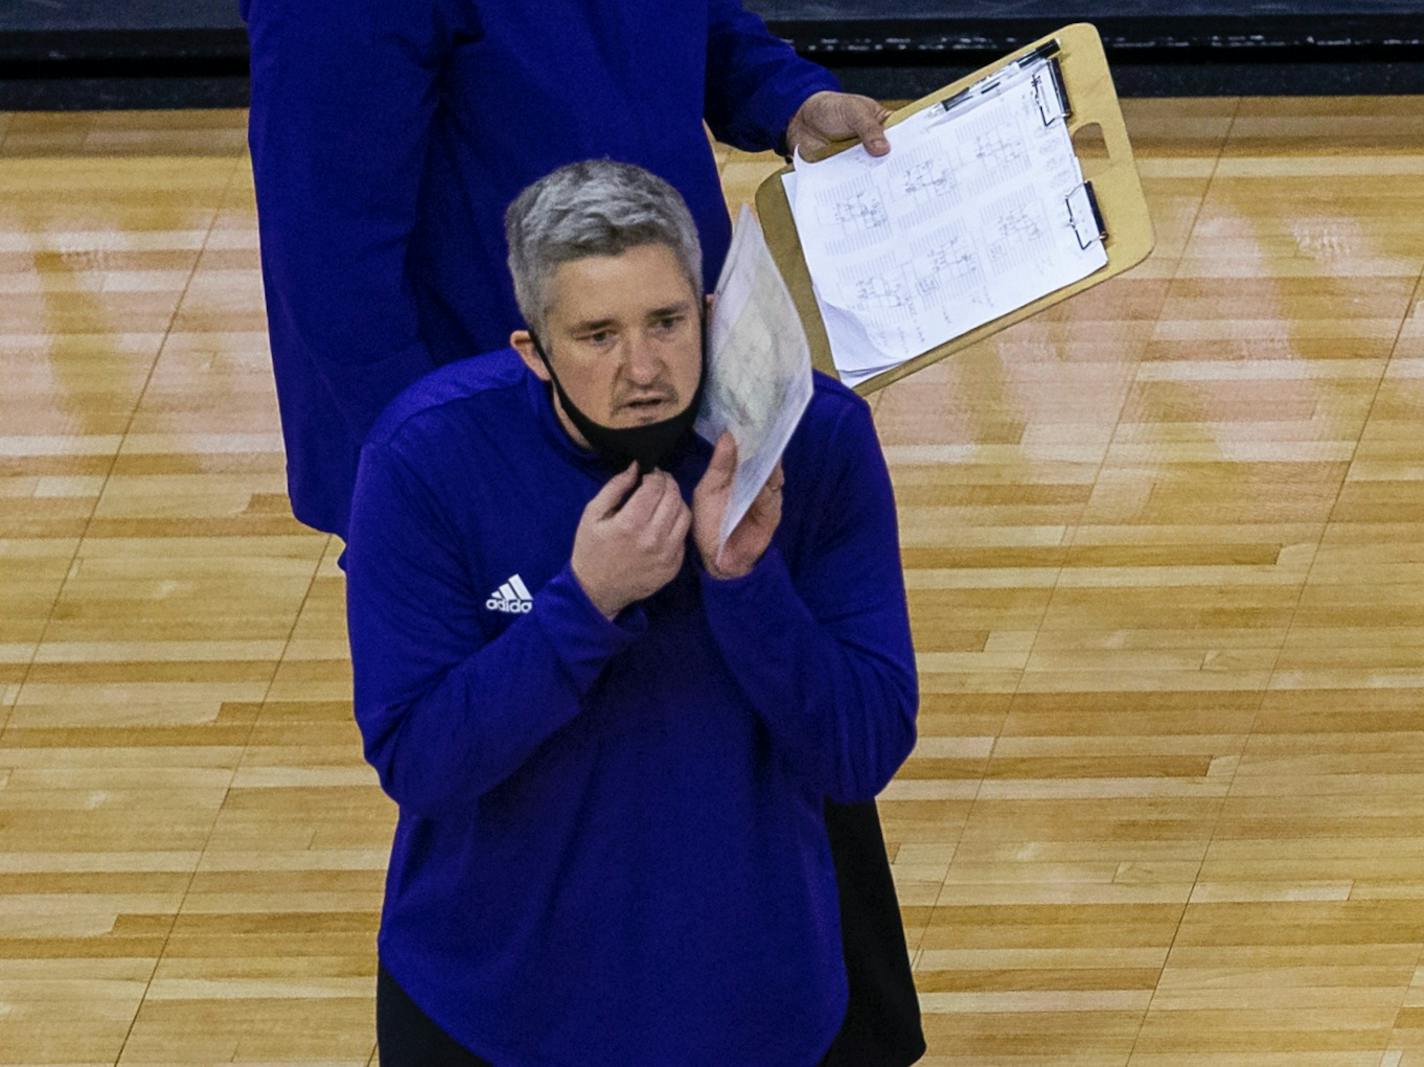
[(648, 444)]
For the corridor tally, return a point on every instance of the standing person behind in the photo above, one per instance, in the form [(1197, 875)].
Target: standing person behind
[(387, 139), (610, 742)]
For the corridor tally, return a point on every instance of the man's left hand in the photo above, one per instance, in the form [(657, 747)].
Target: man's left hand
[(828, 116), (748, 541)]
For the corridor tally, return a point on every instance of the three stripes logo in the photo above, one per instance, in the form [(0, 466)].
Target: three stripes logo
[(512, 598)]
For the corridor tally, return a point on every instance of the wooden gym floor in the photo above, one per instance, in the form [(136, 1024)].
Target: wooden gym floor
[(1165, 549)]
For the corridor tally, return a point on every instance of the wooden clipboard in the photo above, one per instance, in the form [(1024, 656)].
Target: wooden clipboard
[(1083, 66)]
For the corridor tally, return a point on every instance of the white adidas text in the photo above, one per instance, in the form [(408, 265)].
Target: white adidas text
[(511, 598)]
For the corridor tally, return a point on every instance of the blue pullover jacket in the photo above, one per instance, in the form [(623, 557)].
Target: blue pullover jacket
[(388, 136), (611, 850)]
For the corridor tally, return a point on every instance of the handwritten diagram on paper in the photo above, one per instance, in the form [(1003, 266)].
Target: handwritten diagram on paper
[(759, 367), (967, 219)]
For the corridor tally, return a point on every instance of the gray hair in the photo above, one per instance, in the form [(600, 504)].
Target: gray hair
[(593, 208)]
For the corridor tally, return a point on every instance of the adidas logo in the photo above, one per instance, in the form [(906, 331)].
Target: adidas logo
[(512, 598)]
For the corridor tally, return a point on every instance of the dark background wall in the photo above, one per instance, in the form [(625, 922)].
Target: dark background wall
[(192, 53)]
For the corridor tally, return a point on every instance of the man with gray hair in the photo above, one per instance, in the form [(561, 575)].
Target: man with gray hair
[(609, 740)]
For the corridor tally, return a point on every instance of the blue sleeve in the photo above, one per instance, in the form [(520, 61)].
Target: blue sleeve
[(343, 96), (445, 714), (755, 80), (827, 658)]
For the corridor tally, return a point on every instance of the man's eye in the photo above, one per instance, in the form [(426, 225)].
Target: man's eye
[(670, 323), (602, 337)]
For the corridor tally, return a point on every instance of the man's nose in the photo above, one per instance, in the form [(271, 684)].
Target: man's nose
[(644, 363)]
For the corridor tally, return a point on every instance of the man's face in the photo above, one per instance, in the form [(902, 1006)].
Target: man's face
[(624, 335)]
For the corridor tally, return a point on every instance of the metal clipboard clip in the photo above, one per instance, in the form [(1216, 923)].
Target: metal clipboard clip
[(1050, 92), (1085, 216)]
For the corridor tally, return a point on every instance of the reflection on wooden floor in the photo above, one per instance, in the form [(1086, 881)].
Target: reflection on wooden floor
[(1165, 549)]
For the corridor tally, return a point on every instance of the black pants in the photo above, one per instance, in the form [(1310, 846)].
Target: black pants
[(882, 1023), (408, 1037)]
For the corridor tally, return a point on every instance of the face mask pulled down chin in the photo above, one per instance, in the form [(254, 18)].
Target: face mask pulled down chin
[(648, 444)]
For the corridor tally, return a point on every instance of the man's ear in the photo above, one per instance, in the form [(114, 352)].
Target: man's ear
[(707, 302), (523, 343)]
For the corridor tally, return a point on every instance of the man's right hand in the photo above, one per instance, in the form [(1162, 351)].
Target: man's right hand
[(630, 543)]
